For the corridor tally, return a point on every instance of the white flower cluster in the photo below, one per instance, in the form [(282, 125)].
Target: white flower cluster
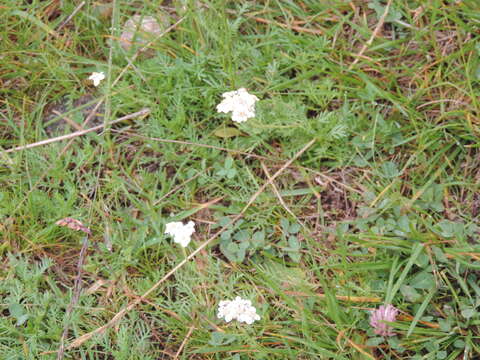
[(97, 77), (182, 234), (238, 309), (240, 103)]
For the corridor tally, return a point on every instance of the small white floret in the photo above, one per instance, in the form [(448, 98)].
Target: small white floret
[(182, 234), (238, 309), (97, 77), (240, 103)]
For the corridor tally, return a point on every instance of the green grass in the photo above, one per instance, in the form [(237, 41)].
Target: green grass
[(385, 203)]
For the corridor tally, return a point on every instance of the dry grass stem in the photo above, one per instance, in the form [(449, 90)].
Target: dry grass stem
[(70, 17), (375, 33), (277, 193), (76, 295), (68, 120), (75, 134), (184, 342), (286, 26)]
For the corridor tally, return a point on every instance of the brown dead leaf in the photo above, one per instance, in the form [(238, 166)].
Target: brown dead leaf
[(74, 225)]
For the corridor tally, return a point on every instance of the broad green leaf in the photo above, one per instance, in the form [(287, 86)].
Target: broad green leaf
[(389, 170), (293, 243), (294, 228), (258, 238), (295, 256), (227, 132), (469, 313), (242, 235), (410, 293), (285, 224), (423, 280), (17, 311)]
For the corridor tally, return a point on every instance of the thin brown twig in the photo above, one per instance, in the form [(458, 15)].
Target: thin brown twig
[(175, 189), (286, 26), (132, 295), (69, 121), (92, 112), (184, 342), (277, 193), (100, 330), (358, 347), (379, 26), (76, 295), (360, 299), (181, 142), (441, 101), (67, 20), (75, 134)]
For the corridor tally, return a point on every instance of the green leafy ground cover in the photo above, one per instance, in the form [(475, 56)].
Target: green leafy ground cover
[(382, 208)]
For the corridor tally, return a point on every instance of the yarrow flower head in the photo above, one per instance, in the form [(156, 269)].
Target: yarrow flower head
[(97, 77), (380, 316), (240, 103), (182, 234), (238, 309)]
